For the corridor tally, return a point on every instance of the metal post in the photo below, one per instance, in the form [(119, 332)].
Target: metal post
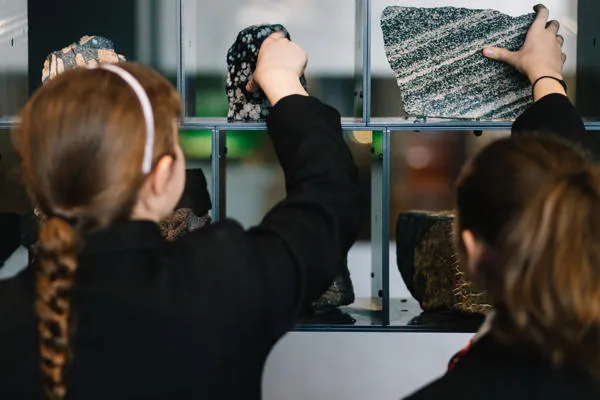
[(181, 86), (218, 166), (377, 233), (385, 225), (366, 52), (362, 63), (359, 70)]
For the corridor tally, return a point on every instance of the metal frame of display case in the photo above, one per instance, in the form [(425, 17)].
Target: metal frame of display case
[(362, 120)]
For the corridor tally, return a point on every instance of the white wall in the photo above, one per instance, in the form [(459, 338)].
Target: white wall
[(356, 366)]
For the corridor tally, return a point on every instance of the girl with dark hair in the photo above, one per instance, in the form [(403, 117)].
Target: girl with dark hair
[(528, 230), (112, 310)]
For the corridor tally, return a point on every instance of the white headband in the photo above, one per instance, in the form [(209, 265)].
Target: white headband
[(146, 109)]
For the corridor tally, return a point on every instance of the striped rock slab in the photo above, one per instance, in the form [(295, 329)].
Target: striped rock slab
[(436, 57)]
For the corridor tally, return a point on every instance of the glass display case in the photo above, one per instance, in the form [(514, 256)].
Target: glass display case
[(406, 163)]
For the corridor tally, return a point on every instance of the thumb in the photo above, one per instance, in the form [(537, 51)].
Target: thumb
[(251, 86), (496, 53)]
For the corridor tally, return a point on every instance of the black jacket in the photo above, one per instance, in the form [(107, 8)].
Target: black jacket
[(492, 370), (197, 318), (552, 115)]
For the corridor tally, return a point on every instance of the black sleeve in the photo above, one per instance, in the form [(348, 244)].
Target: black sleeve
[(301, 242), (551, 115), (195, 193)]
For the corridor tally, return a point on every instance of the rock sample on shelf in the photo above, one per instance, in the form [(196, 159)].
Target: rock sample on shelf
[(340, 293), (436, 56), (87, 50), (245, 106), (429, 265)]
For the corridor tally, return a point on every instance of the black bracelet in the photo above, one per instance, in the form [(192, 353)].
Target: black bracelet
[(562, 83)]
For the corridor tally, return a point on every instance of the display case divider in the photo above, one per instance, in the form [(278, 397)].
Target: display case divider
[(181, 86), (218, 166), (385, 226), (378, 236), (366, 51), (362, 61), (359, 45)]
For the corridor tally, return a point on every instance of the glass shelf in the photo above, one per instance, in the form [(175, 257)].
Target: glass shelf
[(392, 124), (406, 316)]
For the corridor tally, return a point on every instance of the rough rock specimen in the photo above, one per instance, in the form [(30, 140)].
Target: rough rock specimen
[(436, 56), (340, 293), (429, 265), (88, 50), (241, 62)]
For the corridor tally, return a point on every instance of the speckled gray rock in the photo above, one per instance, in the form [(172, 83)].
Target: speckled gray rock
[(436, 57)]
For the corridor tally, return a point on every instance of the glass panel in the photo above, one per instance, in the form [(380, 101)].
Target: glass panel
[(13, 210), (324, 29), (144, 31), (13, 56), (255, 183), (423, 266), (578, 25), (197, 147)]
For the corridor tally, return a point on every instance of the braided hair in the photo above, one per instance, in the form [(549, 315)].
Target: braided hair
[(56, 265), (82, 140)]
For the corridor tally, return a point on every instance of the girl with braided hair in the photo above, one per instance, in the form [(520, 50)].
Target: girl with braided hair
[(91, 50), (113, 310)]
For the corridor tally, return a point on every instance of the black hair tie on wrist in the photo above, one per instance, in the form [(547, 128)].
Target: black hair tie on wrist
[(561, 81)]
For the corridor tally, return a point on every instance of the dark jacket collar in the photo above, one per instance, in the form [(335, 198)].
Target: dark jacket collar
[(123, 236), (490, 351)]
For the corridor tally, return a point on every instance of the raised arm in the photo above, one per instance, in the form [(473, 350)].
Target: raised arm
[(541, 59), (301, 242)]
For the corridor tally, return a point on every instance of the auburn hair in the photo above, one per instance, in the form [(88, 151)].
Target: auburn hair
[(533, 202), (551, 280), (81, 138)]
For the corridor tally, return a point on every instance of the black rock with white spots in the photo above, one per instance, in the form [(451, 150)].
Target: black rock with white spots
[(241, 62), (436, 56)]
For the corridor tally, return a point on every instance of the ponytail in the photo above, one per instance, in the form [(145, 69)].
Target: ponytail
[(59, 244), (549, 294), (85, 120)]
